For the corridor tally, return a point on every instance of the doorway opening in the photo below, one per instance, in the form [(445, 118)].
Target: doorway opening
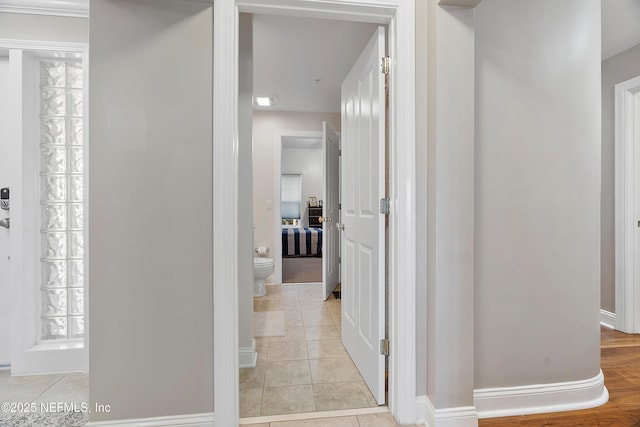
[(402, 199), (627, 202), (304, 213)]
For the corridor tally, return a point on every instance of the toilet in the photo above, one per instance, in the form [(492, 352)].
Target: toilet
[(262, 268)]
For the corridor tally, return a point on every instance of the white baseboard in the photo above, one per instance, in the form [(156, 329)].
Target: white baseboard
[(428, 415), (541, 398), (608, 319), (191, 420), (248, 356)]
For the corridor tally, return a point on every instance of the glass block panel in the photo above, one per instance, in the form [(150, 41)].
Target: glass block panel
[(76, 216), (54, 328), (75, 131), (74, 75), (76, 326), (75, 188), (53, 102), (76, 244), (52, 130), (53, 159), (76, 272), (62, 193), (74, 103), (54, 274), (52, 74), (54, 217), (76, 163), (54, 302), (75, 305), (54, 188), (54, 245)]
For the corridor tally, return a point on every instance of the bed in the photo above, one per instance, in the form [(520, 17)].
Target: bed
[(298, 242)]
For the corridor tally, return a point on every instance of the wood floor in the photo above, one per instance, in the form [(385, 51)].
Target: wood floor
[(621, 367)]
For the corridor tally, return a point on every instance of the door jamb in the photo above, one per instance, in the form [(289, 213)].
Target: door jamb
[(627, 145), (399, 16)]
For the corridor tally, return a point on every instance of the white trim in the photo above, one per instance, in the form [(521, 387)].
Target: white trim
[(541, 398), (44, 46), (627, 107), (225, 215), (248, 356), (75, 8), (428, 415), (608, 319), (191, 420), (399, 15), (314, 415), (402, 221), (277, 206)]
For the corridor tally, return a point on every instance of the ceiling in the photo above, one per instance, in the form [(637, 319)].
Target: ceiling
[(303, 61), (288, 66), (620, 26)]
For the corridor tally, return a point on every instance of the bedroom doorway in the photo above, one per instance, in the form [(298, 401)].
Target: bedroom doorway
[(298, 158)]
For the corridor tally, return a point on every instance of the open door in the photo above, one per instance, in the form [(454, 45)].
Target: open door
[(362, 224), (331, 197)]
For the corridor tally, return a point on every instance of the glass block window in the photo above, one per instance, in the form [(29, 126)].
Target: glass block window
[(61, 199)]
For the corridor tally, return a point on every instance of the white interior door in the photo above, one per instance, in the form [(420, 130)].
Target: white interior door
[(331, 198), (5, 289), (363, 249)]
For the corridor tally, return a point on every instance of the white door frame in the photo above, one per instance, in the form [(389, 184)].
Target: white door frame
[(277, 205), (627, 204), (52, 356), (399, 15)]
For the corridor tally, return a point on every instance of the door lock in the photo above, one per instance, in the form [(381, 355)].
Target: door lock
[(4, 198), (340, 226)]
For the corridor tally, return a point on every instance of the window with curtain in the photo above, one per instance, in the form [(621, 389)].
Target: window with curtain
[(290, 196)]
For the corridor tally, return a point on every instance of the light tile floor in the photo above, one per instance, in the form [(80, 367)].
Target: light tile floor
[(69, 388), (43, 391), (307, 369)]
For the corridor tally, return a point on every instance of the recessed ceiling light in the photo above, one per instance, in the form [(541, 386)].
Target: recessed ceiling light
[(266, 101)]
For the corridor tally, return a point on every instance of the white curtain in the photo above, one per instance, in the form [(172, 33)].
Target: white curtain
[(291, 194)]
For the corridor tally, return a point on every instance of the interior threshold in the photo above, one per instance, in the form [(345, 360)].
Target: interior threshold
[(314, 415)]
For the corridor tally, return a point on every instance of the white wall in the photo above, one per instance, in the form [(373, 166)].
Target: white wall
[(619, 68), (150, 205), (5, 289), (446, 56), (308, 163), (537, 184), (19, 26), (266, 126)]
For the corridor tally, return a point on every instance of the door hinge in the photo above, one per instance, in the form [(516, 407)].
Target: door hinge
[(386, 65), (384, 346), (339, 260), (385, 206), (339, 153), (339, 206)]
